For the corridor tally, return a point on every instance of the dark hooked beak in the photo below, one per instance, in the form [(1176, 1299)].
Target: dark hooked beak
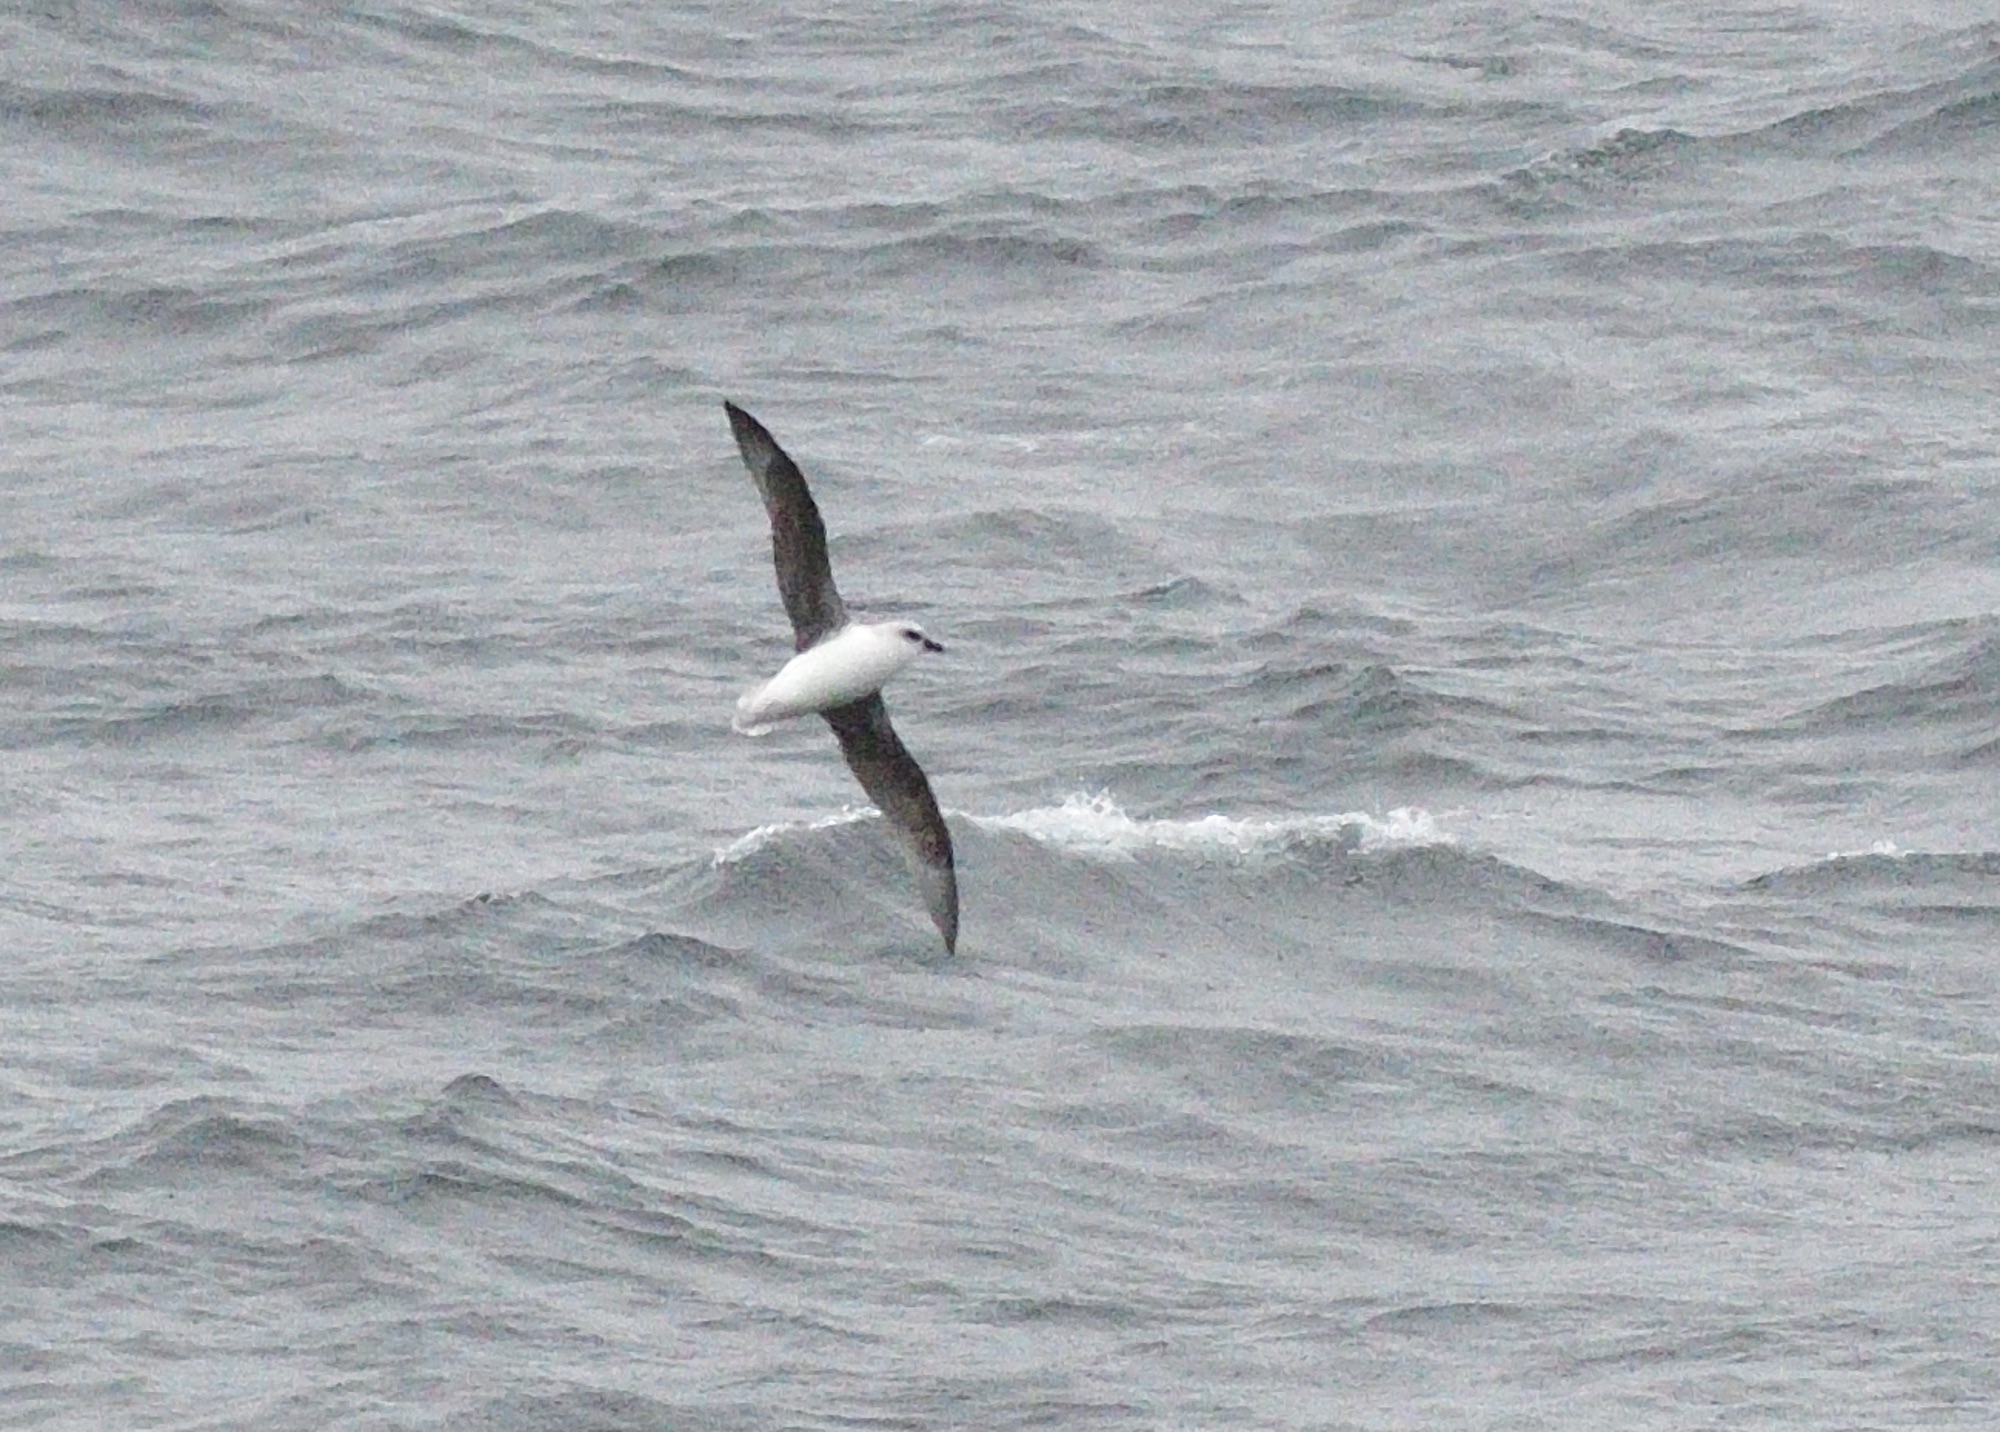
[(930, 645)]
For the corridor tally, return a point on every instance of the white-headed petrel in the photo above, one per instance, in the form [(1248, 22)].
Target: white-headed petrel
[(839, 672)]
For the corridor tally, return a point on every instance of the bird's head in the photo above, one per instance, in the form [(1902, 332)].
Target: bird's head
[(914, 635)]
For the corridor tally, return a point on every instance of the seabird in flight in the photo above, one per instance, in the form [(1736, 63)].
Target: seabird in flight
[(839, 672)]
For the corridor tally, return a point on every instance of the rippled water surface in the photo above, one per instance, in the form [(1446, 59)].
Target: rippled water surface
[(1469, 547)]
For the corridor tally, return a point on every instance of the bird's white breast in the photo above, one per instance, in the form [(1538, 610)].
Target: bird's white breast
[(852, 663)]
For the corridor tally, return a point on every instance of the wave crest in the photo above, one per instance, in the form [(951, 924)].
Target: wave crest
[(1092, 823)]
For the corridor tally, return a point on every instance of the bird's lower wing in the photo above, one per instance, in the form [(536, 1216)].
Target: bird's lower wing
[(896, 784)]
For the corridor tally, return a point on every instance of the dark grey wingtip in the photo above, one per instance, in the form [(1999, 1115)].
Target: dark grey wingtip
[(939, 887), (798, 536), (746, 428)]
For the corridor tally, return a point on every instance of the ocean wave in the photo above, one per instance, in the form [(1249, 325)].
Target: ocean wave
[(1950, 117), (1647, 942), (702, 267), (1081, 880), (556, 734), (74, 114), (1900, 876), (971, 252), (221, 711), (1218, 112), (1574, 178), (1954, 694), (115, 311), (1360, 699), (707, 117), (193, 1139), (1771, 514), (1879, 121), (1093, 825), (506, 963), (746, 846)]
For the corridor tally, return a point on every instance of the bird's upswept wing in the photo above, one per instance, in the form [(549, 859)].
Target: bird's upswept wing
[(798, 537)]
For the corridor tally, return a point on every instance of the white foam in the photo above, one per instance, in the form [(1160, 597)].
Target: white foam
[(1887, 848), (1093, 824)]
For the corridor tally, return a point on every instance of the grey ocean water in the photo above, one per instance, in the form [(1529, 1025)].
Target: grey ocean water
[(1469, 540)]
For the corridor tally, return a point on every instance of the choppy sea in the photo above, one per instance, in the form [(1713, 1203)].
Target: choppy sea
[(1468, 538)]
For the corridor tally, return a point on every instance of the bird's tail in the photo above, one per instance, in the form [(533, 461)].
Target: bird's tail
[(752, 718)]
